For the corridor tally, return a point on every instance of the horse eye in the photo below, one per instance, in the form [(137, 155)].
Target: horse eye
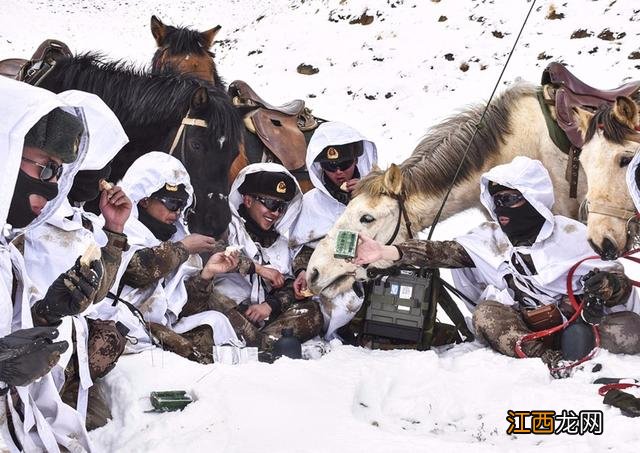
[(625, 160), (195, 145), (366, 219)]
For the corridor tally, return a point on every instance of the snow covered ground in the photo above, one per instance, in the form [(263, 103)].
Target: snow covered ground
[(413, 63)]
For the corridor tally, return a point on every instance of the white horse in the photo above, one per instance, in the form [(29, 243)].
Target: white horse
[(514, 125)]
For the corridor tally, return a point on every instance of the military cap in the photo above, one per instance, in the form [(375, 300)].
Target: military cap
[(272, 184), (171, 191), (58, 134), (340, 153)]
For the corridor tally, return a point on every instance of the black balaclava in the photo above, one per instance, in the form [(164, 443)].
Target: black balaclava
[(85, 185), (20, 214), (162, 231), (524, 224)]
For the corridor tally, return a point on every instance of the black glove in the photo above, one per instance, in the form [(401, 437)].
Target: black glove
[(69, 294), (601, 284), (29, 354)]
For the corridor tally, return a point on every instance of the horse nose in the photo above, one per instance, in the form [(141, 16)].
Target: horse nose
[(314, 275), (609, 250)]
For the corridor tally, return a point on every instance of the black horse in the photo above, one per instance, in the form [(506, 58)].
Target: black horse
[(191, 119)]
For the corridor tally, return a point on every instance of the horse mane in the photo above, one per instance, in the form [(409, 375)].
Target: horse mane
[(434, 162), (140, 99), (604, 120)]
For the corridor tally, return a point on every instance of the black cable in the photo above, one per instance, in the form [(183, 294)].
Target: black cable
[(478, 125)]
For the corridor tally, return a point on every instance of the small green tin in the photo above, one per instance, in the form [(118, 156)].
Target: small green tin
[(346, 243), (174, 400)]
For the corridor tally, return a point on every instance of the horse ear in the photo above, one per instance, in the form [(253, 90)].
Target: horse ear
[(583, 117), (392, 181), (210, 35), (157, 30), (625, 111), (200, 98)]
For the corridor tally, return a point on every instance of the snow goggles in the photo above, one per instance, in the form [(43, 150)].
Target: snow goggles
[(507, 199), (172, 204), (332, 167), (48, 171), (272, 204)]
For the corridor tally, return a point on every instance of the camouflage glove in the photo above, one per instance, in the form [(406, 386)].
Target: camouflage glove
[(29, 354), (69, 294), (601, 284)]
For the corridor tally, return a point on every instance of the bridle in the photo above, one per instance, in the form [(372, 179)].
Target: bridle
[(402, 214), (181, 137)]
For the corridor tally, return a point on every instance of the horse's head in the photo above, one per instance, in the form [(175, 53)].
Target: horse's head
[(375, 211), (206, 146), (184, 51), (610, 143)]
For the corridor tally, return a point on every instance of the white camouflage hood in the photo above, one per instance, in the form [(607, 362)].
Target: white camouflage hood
[(530, 178), (146, 175), (632, 183)]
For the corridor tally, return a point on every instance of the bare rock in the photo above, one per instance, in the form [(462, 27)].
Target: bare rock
[(448, 56), (552, 14), (581, 33), (634, 55), (442, 18), (307, 69)]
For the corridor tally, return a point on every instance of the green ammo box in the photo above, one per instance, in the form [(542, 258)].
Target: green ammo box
[(398, 304), (168, 401), (346, 243)]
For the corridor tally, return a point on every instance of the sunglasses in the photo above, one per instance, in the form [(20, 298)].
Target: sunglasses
[(172, 204), (507, 200), (48, 171), (272, 204), (332, 167)]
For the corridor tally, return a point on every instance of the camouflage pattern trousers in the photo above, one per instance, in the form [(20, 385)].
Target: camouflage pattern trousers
[(502, 326)]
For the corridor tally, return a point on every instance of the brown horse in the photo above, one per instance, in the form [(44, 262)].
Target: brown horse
[(186, 51)]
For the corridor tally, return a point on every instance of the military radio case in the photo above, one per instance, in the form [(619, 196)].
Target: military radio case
[(174, 400), (399, 305)]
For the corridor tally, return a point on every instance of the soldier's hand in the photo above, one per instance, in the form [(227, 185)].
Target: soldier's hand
[(273, 276), (116, 208), (601, 284), (198, 243), (258, 312), (29, 354), (219, 263), (69, 294), (300, 285), (351, 184)]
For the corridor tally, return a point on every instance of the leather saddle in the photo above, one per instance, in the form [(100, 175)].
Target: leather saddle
[(33, 71), (280, 128), (565, 92)]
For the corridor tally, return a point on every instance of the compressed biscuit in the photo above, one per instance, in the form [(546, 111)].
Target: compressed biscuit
[(103, 184), (230, 250), (306, 292), (92, 253), (343, 187)]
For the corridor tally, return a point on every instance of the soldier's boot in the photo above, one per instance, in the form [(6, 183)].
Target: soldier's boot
[(172, 341), (305, 318), (105, 345), (202, 339), (628, 404), (244, 328)]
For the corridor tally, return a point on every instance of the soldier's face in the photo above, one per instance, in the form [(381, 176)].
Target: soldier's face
[(340, 176), (32, 164), (259, 212), (158, 211)]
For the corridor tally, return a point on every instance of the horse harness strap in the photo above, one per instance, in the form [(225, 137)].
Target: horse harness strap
[(186, 121), (402, 214)]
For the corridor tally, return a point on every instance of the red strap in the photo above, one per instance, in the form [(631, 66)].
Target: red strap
[(615, 386)]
